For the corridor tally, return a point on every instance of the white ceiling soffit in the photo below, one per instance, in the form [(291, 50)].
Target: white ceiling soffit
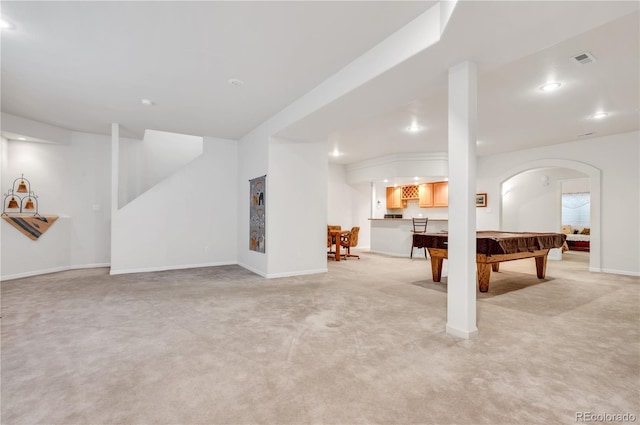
[(84, 65), (22, 138), (514, 59), (422, 32)]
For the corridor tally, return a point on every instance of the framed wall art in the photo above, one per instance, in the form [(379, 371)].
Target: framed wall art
[(257, 214), (481, 199)]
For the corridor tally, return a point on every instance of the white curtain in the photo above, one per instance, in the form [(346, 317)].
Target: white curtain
[(576, 209)]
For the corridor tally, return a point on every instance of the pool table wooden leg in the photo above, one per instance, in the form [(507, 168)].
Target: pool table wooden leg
[(541, 266), (495, 267), (484, 274), (436, 268)]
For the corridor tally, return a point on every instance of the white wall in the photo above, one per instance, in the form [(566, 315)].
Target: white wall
[(71, 180), (130, 176), (90, 201), (145, 163), (255, 159), (187, 220), (47, 167), (361, 212), (618, 159), (348, 205), (399, 167), (339, 197), (576, 185), (22, 257), (253, 152), (296, 231), (531, 201)]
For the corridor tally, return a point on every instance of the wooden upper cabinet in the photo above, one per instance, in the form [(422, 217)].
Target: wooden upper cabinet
[(425, 195), (394, 198), (440, 194), (410, 192), (429, 195)]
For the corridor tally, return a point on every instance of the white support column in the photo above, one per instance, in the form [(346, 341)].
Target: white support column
[(461, 282)]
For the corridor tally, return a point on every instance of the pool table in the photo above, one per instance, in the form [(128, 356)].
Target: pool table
[(492, 248)]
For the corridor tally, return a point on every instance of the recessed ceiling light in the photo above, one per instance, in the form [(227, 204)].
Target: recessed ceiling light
[(414, 128), (22, 138), (147, 102), (386, 180), (550, 87), (235, 82), (416, 178), (335, 152), (599, 115), (5, 25)]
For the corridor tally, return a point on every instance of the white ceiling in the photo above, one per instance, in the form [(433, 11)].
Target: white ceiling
[(514, 59), (84, 65)]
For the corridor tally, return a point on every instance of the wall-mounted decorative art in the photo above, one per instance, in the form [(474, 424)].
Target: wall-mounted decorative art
[(481, 199), (20, 198), (20, 209), (257, 188)]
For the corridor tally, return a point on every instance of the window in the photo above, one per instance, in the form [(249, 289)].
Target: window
[(576, 209)]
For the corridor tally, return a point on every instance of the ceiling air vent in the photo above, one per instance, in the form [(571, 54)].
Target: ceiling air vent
[(584, 58)]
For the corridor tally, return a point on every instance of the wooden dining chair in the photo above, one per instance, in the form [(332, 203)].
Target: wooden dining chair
[(419, 226), (349, 240)]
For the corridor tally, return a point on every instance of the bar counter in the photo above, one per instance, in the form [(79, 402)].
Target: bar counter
[(394, 236)]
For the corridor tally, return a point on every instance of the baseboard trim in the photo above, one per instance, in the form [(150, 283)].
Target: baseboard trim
[(253, 270), (297, 273), (90, 266), (462, 333), (53, 270), (621, 272), (173, 267), (35, 273), (393, 254), (285, 274)]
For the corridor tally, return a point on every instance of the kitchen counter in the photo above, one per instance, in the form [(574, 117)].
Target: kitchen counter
[(406, 219), (394, 236)]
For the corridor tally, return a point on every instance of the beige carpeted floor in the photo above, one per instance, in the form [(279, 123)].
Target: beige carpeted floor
[(364, 343)]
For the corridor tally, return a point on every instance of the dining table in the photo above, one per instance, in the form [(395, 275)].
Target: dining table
[(335, 237)]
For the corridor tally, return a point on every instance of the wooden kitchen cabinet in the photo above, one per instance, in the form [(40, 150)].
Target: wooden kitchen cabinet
[(425, 195), (440, 194), (394, 198)]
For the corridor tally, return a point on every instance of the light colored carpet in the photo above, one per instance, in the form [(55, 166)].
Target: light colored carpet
[(364, 343)]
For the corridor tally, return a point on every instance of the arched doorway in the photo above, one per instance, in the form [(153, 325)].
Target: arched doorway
[(553, 207)]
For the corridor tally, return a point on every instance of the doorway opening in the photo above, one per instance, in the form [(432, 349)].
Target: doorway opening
[(532, 200)]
